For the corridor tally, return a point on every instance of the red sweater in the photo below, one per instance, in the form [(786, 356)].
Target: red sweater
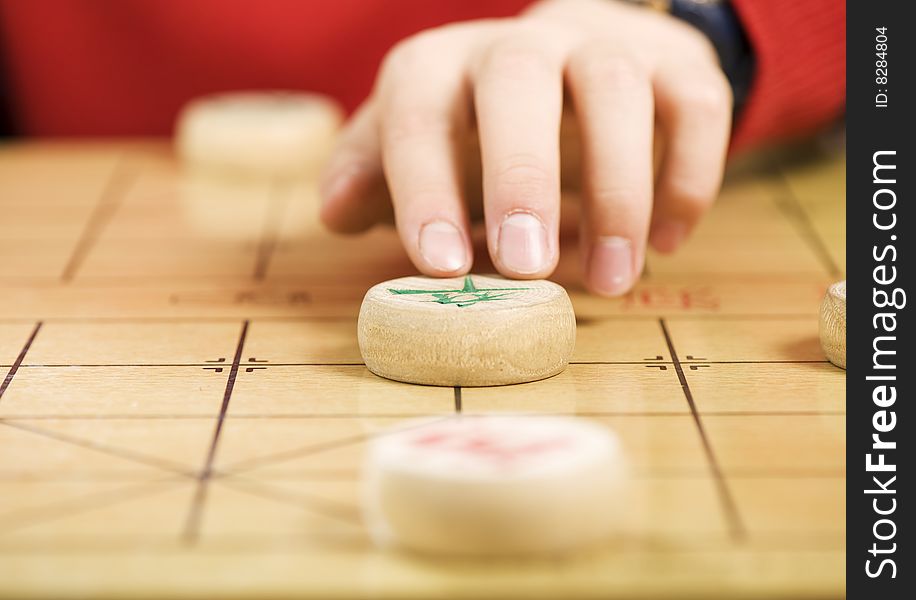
[(112, 67)]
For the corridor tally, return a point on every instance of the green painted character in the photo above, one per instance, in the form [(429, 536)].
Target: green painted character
[(466, 296)]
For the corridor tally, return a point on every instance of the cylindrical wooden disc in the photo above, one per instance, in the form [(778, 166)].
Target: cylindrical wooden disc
[(470, 331), (833, 324), (495, 485), (266, 134)]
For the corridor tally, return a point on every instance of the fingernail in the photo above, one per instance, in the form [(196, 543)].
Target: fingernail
[(442, 246), (522, 244), (610, 268), (668, 235)]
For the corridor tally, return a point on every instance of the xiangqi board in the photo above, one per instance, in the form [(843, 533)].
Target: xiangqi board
[(184, 407)]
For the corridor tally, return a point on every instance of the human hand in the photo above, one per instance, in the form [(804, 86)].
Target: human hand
[(635, 78)]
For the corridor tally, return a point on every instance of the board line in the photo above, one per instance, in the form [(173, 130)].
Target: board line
[(273, 220), (792, 207), (359, 364), (14, 368), (300, 452), (53, 511), (201, 318), (313, 449), (733, 517), (192, 525), (122, 453), (203, 364), (276, 416), (322, 506), (110, 200)]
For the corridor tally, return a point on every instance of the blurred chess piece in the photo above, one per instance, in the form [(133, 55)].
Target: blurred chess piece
[(251, 160), (833, 324), (258, 134)]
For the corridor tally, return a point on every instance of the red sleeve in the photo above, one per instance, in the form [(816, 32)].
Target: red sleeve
[(112, 67), (84, 67), (800, 79)]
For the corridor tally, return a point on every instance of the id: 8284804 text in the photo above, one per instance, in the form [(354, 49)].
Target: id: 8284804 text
[(881, 61)]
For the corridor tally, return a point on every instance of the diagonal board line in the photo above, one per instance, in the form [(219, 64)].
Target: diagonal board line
[(122, 453), (312, 449), (300, 452), (276, 208), (65, 474), (35, 515), (736, 526), (789, 203), (14, 368), (110, 200), (322, 506), (192, 524)]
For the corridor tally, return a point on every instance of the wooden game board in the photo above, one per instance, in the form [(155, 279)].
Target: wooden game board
[(184, 408)]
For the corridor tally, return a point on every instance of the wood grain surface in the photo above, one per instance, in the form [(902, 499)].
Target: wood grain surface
[(184, 409)]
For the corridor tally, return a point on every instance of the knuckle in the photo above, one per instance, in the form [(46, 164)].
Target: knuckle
[(399, 62), (625, 199), (408, 122), (523, 178), (708, 96), (514, 59), (690, 193), (608, 219), (425, 191), (395, 57), (610, 72), (417, 52)]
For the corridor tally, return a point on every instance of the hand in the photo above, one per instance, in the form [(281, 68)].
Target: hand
[(633, 76)]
